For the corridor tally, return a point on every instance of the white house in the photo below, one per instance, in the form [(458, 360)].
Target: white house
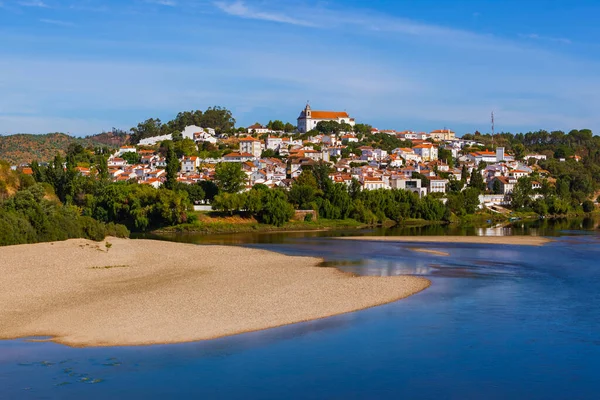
[(373, 183), (437, 185), (251, 145), (507, 184), (404, 183), (190, 130), (190, 164), (116, 162), (151, 141), (407, 154), (427, 151), (204, 137), (238, 157), (482, 156), (274, 143), (309, 119), (535, 156), (126, 149), (258, 129), (349, 138), (442, 134)]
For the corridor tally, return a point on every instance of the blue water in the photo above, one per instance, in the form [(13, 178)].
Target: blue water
[(498, 322)]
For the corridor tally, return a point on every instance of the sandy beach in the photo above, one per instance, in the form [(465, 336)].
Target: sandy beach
[(141, 292), (511, 240)]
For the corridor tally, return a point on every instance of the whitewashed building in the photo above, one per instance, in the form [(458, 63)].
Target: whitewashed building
[(309, 118), (251, 145)]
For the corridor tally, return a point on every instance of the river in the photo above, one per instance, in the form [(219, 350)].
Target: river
[(498, 322)]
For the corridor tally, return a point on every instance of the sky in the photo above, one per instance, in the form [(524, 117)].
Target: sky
[(83, 67)]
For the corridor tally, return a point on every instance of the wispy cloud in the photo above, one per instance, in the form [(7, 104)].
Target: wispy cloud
[(320, 16), (169, 3), (535, 36), (33, 3), (239, 9), (57, 22)]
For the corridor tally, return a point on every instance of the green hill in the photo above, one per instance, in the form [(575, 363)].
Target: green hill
[(24, 148)]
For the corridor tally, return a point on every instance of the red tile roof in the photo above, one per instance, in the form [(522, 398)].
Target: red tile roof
[(329, 114)]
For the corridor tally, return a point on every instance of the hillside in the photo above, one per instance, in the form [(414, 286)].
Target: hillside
[(24, 148)]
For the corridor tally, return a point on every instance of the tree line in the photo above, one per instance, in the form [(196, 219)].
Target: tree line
[(218, 118)]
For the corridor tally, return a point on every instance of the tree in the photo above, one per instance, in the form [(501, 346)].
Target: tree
[(354, 189), (519, 151), (307, 178), (497, 187), (588, 206), (321, 173), (210, 190), (464, 173), (102, 167), (173, 166), (446, 155), (218, 118), (521, 195), (131, 157), (455, 185), (229, 177), (277, 125), (186, 147), (186, 118), (302, 196), (38, 172), (289, 128), (194, 191), (328, 127), (477, 180), (149, 128), (275, 210), (268, 153), (362, 129)]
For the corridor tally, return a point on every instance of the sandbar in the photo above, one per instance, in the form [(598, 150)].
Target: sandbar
[(430, 251), (510, 240), (140, 292)]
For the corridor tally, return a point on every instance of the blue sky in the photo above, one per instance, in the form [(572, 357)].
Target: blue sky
[(86, 66)]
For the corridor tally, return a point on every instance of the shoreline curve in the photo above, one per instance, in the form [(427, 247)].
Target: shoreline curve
[(82, 293)]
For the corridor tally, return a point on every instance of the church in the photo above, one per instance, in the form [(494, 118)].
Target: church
[(309, 119)]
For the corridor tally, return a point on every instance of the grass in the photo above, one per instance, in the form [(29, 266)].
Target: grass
[(212, 223)]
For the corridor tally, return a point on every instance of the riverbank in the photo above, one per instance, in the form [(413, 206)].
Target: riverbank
[(510, 240), (235, 224), (141, 292)]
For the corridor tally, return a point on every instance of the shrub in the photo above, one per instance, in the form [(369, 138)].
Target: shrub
[(588, 206)]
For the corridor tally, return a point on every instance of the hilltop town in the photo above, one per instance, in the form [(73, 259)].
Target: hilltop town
[(425, 163), (327, 167)]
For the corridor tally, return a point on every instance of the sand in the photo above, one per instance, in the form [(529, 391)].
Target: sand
[(511, 240), (429, 251), (141, 292)]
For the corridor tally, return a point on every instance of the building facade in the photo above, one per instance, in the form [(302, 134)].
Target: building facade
[(309, 119), (442, 134), (251, 145)]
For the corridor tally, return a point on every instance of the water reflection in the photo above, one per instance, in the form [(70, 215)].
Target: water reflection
[(538, 227)]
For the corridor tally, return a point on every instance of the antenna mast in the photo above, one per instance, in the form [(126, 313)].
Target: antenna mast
[(493, 128)]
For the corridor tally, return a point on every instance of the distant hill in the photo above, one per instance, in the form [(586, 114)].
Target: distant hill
[(24, 148)]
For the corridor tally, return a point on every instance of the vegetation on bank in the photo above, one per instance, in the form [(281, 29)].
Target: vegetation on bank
[(30, 212), (215, 223)]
